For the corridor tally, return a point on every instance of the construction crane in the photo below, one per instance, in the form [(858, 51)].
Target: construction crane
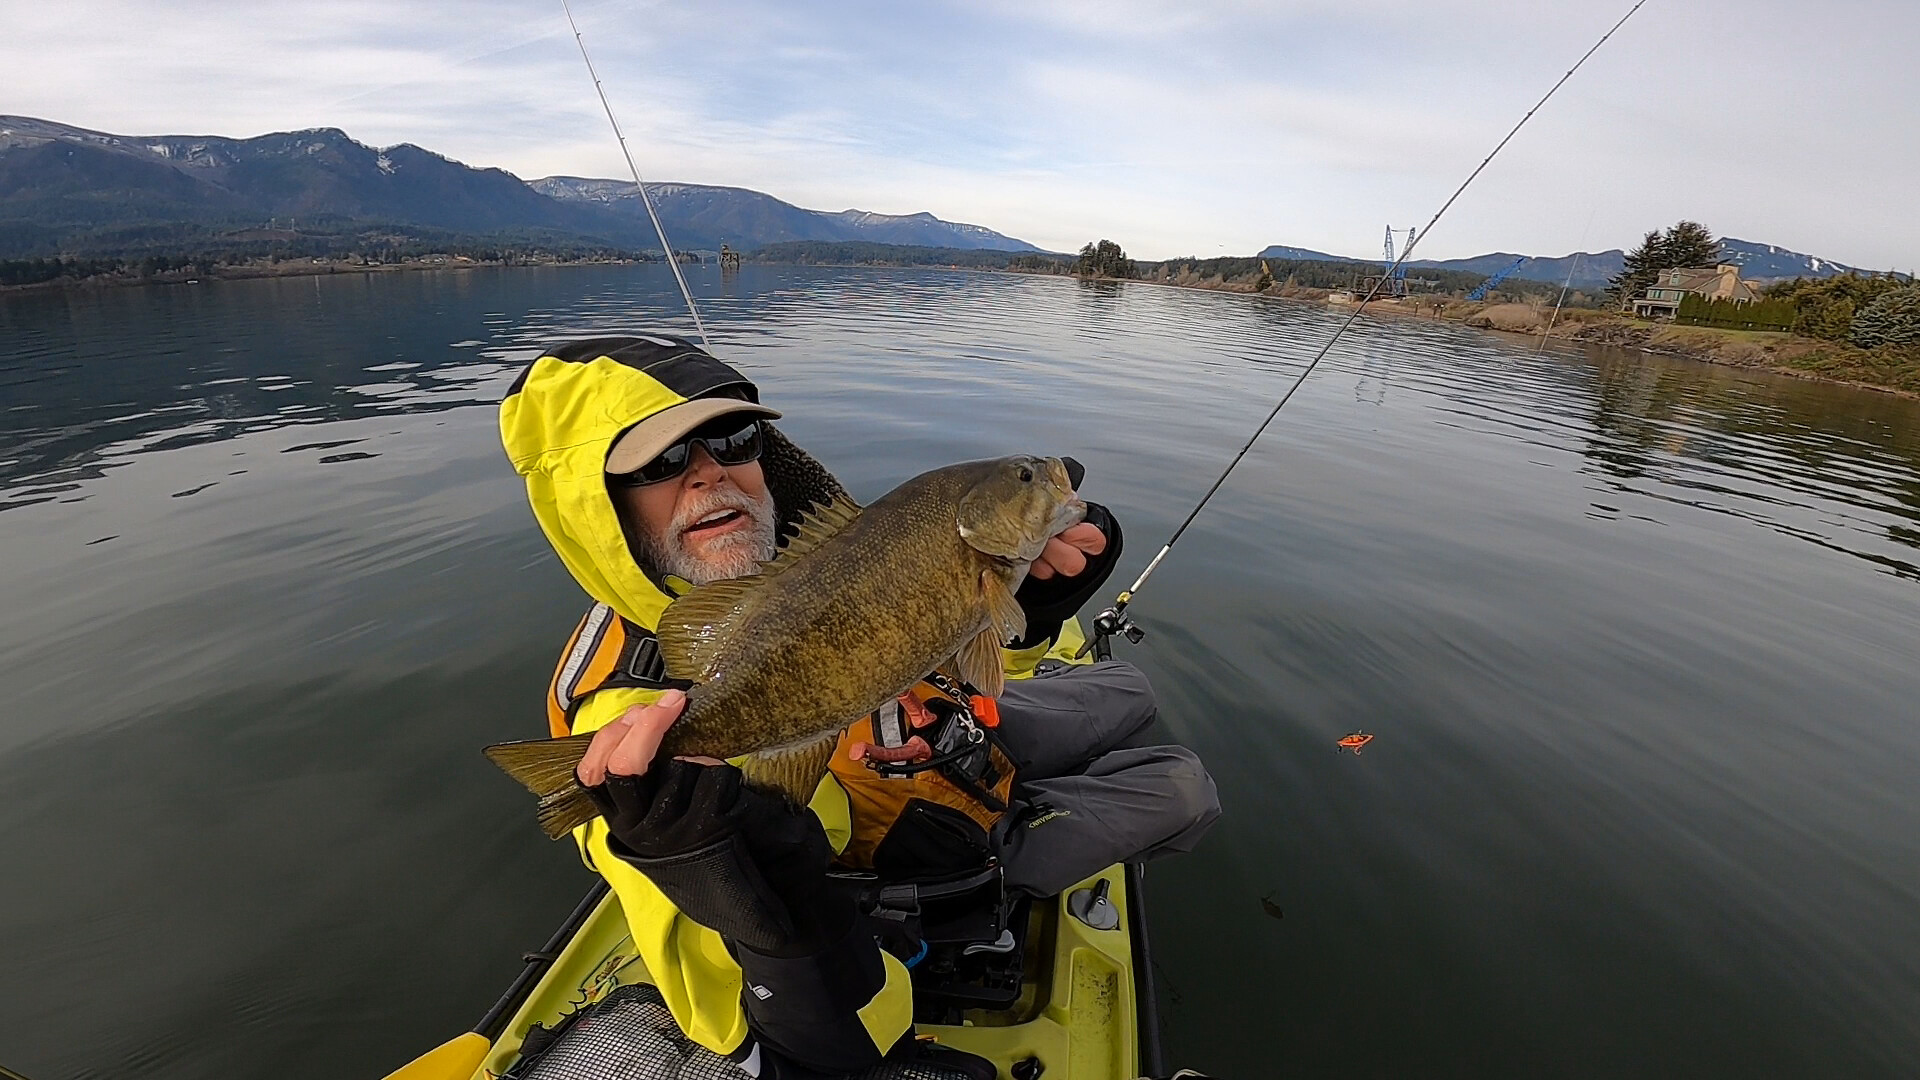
[(1397, 284), (1480, 291)]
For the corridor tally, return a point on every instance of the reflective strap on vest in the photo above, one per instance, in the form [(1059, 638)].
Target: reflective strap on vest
[(605, 651), (876, 801)]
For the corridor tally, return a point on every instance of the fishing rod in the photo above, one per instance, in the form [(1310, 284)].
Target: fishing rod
[(672, 263), (1115, 619)]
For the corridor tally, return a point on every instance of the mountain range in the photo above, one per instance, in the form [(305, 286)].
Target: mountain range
[(1761, 262), (69, 190), (699, 215)]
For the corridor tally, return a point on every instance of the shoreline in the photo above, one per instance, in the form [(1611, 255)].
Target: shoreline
[(293, 268), (1883, 371), (1776, 352)]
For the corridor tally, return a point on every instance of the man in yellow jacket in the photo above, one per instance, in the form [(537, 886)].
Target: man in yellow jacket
[(652, 468)]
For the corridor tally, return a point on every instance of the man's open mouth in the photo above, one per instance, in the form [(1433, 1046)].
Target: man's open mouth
[(719, 519)]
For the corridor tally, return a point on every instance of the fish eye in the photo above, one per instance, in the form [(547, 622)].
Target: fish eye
[(1026, 475)]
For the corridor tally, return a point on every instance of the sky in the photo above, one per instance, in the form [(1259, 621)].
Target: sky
[(1197, 128)]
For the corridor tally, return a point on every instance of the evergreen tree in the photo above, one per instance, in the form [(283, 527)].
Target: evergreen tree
[(1105, 259), (1643, 264), (1825, 307), (1892, 318), (1689, 243)]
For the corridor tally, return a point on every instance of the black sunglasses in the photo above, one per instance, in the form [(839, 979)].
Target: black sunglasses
[(725, 442)]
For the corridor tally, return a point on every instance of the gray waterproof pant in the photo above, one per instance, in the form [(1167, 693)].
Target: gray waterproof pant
[(1100, 786)]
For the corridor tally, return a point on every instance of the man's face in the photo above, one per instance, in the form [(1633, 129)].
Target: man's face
[(711, 522)]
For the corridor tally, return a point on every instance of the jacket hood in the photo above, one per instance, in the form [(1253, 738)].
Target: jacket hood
[(560, 419)]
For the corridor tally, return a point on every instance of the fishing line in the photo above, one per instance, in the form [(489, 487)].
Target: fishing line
[(1558, 304), (1541, 351), (1114, 619), (672, 263)]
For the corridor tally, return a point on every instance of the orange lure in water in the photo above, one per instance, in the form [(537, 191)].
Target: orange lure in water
[(1353, 742)]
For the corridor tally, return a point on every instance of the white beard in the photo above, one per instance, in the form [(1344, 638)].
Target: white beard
[(731, 555)]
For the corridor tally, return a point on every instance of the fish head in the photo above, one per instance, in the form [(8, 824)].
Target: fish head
[(1016, 504)]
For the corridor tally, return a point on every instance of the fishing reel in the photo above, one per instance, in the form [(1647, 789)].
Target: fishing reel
[(1114, 620)]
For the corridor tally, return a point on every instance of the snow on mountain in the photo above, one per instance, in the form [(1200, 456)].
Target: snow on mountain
[(1768, 262)]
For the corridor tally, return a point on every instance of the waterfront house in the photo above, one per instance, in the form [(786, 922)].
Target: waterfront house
[(1662, 298)]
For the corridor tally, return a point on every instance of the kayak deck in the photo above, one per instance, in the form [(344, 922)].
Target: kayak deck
[(1078, 1011)]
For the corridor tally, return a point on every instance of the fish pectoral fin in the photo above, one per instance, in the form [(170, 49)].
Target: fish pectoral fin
[(546, 768), (980, 662), (691, 629), (1009, 619), (793, 771)]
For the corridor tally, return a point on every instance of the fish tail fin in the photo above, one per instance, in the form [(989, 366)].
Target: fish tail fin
[(546, 768)]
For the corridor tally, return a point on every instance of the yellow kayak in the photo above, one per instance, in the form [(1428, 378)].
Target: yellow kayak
[(1077, 1003)]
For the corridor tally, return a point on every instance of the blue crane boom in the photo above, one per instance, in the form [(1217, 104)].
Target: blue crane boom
[(1396, 284), (1480, 291)]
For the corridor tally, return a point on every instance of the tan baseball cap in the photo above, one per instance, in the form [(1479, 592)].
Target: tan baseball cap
[(647, 439)]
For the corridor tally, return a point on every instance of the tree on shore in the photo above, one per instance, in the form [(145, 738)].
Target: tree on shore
[(1685, 244), (1825, 307), (1892, 318), (1642, 266), (1105, 259), (1690, 243)]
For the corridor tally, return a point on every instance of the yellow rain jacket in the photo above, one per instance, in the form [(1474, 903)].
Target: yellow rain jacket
[(557, 423)]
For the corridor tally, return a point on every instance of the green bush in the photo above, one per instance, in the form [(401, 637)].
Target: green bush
[(1824, 307), (1767, 314), (1892, 318)]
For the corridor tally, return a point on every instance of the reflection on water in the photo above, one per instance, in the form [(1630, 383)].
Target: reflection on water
[(1635, 637), (1826, 466)]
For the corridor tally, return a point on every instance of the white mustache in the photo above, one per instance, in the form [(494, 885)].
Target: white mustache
[(710, 502)]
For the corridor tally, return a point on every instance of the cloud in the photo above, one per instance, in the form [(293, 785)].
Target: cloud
[(1174, 129)]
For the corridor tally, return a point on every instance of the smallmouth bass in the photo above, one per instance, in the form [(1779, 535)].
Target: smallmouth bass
[(857, 607)]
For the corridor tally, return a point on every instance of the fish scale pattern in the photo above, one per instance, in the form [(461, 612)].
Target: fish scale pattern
[(854, 620)]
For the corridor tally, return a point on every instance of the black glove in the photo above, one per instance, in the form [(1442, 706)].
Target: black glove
[(1053, 601), (730, 857)]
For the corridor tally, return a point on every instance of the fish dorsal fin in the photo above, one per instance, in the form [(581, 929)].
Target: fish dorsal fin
[(817, 525), (793, 771), (693, 626)]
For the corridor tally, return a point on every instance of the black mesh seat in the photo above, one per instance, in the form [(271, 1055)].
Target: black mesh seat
[(630, 1035)]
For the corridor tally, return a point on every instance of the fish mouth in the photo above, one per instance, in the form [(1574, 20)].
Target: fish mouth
[(1071, 513)]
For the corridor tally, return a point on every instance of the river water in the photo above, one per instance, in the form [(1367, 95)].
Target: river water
[(1637, 639)]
